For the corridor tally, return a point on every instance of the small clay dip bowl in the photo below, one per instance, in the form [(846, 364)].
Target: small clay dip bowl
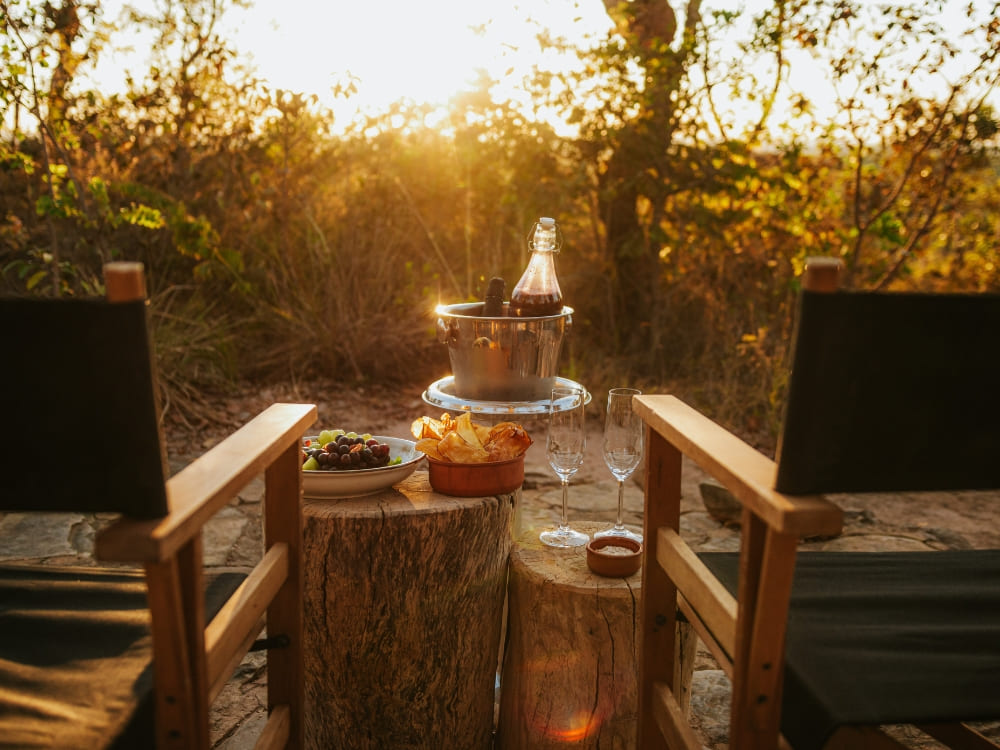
[(614, 557), (476, 480)]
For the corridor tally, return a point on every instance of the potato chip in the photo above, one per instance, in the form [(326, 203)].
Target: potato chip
[(465, 428), (454, 447), (482, 432), (507, 440), (429, 447), (463, 441), (428, 427)]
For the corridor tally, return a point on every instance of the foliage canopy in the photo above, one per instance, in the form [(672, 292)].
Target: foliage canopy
[(701, 172)]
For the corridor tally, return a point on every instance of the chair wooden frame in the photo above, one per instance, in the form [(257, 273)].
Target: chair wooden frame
[(682, 598), (193, 661), (672, 573)]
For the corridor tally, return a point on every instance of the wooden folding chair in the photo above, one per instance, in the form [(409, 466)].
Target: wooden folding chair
[(887, 392), (133, 654)]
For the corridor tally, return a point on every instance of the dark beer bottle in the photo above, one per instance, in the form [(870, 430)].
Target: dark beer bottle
[(538, 293), (493, 304)]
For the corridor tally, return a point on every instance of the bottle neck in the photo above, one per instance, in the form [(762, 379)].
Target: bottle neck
[(544, 239)]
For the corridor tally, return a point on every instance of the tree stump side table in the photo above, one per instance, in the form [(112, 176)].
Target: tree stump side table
[(570, 664), (403, 609)]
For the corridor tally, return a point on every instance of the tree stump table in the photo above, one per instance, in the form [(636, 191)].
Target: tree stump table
[(403, 609), (570, 664)]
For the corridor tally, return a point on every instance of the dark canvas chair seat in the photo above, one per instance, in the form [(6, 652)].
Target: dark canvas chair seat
[(76, 656), (887, 392), (939, 610), (131, 655)]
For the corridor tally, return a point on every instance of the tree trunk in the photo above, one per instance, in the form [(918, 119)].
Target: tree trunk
[(404, 597), (641, 145), (570, 663)]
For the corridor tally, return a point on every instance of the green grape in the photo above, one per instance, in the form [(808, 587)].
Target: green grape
[(396, 460), (326, 436), (311, 464)]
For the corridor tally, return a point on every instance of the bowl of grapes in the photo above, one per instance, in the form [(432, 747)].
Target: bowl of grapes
[(338, 464)]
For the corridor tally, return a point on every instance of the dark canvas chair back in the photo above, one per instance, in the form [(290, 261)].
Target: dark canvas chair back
[(892, 392), (79, 407)]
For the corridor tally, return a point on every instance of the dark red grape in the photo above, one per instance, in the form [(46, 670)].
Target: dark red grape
[(346, 451)]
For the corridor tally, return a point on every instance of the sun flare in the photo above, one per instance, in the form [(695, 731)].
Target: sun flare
[(421, 52)]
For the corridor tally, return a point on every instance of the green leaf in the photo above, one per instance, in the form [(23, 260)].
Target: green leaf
[(36, 278), (141, 215)]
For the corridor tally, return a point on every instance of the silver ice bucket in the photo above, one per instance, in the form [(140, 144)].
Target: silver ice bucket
[(504, 358)]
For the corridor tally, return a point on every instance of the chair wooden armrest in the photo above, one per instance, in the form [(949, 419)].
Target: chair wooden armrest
[(743, 470), (206, 485)]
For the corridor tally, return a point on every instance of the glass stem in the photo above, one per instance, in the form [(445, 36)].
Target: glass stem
[(621, 501), (565, 498)]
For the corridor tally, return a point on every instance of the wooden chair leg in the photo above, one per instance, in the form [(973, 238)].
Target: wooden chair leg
[(686, 648), (282, 524), (672, 721), (764, 592), (190, 565), (658, 615), (178, 646)]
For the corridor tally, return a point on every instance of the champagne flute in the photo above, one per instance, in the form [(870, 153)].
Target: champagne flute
[(623, 430), (564, 446)]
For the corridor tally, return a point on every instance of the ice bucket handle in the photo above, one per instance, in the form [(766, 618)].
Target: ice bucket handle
[(447, 333)]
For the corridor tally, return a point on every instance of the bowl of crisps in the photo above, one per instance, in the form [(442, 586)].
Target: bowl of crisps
[(465, 459), (476, 480)]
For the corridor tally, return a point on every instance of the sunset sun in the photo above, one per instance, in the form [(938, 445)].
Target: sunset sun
[(421, 52)]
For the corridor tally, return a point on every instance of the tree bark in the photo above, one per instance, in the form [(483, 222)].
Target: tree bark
[(404, 597), (570, 663), (641, 145)]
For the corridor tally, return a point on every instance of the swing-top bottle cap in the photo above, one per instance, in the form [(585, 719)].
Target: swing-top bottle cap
[(545, 236)]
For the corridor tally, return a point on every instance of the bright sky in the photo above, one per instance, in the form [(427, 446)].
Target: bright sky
[(421, 49), (424, 50)]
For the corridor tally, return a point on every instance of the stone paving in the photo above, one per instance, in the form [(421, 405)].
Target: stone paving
[(233, 539)]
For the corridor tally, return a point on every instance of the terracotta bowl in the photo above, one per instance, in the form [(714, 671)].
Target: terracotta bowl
[(623, 563), (476, 480)]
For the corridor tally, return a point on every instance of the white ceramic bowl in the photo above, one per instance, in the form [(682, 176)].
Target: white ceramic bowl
[(327, 485)]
